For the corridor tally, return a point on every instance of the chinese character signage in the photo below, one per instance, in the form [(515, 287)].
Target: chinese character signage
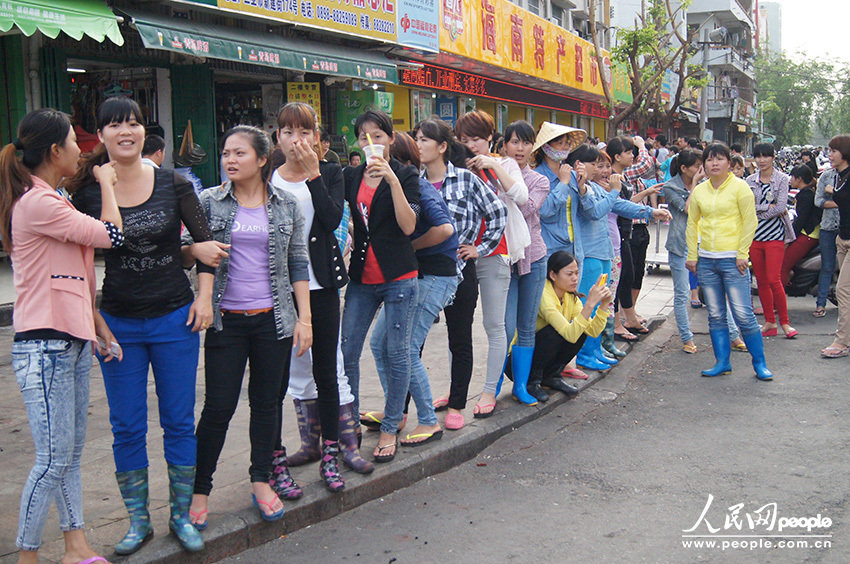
[(432, 77), (503, 34), (366, 18), (307, 92), (418, 24)]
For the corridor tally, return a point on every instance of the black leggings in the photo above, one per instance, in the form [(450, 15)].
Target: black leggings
[(243, 339), (552, 352), (459, 324), (324, 308), (627, 276), (639, 244)]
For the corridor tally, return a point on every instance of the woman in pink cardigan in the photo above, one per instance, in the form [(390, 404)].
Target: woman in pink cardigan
[(52, 251)]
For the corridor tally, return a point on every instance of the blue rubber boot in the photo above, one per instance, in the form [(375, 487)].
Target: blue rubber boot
[(722, 349), (521, 369), (502, 377), (586, 357), (134, 491), (755, 345), (181, 482)]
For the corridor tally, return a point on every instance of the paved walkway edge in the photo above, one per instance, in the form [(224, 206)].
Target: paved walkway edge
[(230, 534)]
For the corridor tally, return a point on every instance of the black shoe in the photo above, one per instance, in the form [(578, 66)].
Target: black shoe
[(539, 394), (557, 383)]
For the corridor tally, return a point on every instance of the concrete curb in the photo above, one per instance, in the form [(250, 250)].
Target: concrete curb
[(232, 533)]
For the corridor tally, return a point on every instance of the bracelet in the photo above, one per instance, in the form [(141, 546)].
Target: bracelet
[(305, 324)]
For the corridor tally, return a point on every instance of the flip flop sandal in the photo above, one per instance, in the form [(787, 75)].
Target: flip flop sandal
[(276, 516), (199, 526), (791, 334), (477, 412), (835, 352), (574, 373), (92, 560), (626, 337), (385, 457), (696, 304), (819, 312), (641, 330), (690, 349), (429, 437), (740, 347), (441, 404), (369, 420)]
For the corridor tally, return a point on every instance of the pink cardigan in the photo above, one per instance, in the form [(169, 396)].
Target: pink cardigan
[(53, 262)]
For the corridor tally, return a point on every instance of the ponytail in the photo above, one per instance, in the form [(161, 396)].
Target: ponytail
[(37, 133), (84, 175), (685, 158)]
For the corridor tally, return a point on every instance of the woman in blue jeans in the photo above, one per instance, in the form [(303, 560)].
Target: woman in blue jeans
[(687, 172), (149, 306), (384, 197), (52, 247), (528, 274), (435, 241), (828, 234), (722, 210)]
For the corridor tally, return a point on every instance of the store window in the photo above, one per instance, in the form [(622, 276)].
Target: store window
[(423, 105)]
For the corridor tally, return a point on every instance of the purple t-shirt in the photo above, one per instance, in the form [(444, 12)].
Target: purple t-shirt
[(248, 279)]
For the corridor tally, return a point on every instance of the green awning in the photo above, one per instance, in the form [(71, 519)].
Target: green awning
[(75, 17), (217, 42)]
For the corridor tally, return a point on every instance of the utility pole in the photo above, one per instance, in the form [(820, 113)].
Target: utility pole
[(703, 110)]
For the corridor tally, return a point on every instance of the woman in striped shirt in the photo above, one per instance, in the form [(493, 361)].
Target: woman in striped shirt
[(770, 188)]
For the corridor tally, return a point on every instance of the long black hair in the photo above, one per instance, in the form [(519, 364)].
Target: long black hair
[(685, 158), (260, 142), (37, 133), (559, 260), (441, 132)]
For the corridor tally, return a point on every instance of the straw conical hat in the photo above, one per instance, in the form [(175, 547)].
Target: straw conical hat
[(549, 131)]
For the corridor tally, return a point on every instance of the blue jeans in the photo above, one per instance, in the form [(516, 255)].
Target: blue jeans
[(720, 279), (361, 303), (435, 293), (681, 296), (827, 264), (591, 270), (53, 377), (169, 346), (524, 296)]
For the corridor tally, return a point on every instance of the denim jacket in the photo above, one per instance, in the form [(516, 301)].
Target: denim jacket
[(288, 257), (829, 219)]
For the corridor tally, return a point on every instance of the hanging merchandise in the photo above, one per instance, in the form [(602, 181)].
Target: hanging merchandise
[(190, 153)]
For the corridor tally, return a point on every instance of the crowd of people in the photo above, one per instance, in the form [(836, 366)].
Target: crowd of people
[(550, 233)]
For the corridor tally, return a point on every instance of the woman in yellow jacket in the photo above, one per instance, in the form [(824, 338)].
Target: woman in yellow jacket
[(563, 322), (722, 210)]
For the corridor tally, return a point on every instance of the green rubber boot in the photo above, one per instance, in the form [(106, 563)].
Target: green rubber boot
[(134, 491), (181, 483)]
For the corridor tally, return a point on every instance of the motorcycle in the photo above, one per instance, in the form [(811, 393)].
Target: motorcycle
[(804, 277)]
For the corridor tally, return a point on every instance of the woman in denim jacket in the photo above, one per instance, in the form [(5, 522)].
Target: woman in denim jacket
[(254, 317)]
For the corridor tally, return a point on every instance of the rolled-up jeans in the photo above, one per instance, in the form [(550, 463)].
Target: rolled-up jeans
[(435, 293), (53, 376), (361, 303), (720, 279)]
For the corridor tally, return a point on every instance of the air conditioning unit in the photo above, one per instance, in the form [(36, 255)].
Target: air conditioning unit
[(554, 20)]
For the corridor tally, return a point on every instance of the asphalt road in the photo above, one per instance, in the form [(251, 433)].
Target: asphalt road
[(618, 474)]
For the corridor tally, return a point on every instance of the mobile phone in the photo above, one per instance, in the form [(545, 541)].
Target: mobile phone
[(603, 280), (114, 348)]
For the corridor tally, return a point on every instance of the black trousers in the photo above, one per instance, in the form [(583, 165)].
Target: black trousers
[(627, 276), (552, 352), (459, 324), (639, 244), (243, 340), (324, 307)]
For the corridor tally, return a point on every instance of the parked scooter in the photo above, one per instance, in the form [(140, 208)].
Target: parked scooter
[(804, 277)]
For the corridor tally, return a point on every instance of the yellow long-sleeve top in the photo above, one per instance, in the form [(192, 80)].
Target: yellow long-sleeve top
[(724, 218), (566, 318)]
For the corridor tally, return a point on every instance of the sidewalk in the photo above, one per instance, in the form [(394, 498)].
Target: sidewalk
[(234, 523)]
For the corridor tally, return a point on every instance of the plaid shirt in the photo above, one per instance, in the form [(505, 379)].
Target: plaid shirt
[(470, 201), (634, 174)]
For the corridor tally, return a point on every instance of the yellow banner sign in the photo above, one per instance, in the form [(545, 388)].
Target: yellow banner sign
[(503, 34), (307, 92), (366, 18)]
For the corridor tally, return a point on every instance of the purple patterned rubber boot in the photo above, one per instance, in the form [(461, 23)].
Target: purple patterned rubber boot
[(329, 467), (281, 481), (349, 441), (308, 428)]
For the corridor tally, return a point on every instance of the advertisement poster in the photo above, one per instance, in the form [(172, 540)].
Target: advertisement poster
[(349, 105), (447, 109), (307, 92), (418, 24)]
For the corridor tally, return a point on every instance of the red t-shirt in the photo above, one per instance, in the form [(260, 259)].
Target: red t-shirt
[(502, 248), (371, 270)]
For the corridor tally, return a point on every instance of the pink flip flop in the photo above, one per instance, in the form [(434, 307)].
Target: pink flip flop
[(454, 421), (93, 559), (573, 373)]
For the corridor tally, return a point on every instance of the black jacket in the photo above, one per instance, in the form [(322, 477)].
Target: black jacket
[(328, 195), (391, 246), (808, 214)]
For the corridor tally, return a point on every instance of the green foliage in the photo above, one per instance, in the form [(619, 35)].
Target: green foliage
[(795, 96)]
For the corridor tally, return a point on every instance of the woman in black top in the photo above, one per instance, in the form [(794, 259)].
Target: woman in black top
[(839, 158), (384, 198), (150, 308), (807, 224)]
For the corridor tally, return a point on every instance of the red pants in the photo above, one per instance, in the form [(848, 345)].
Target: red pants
[(796, 251), (766, 257)]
